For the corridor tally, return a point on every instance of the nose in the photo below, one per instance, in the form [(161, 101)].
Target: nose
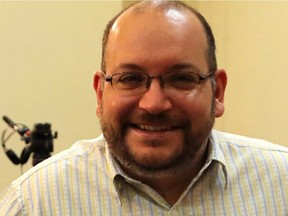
[(155, 100)]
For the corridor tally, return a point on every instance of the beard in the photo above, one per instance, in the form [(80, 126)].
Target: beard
[(192, 141)]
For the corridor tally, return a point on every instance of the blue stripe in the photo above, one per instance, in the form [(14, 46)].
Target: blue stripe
[(58, 192), (259, 178), (268, 174), (40, 212), (248, 180), (230, 181), (88, 190), (47, 184), (281, 188), (221, 191)]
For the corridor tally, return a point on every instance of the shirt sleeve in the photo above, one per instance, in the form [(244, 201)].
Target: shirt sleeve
[(9, 202)]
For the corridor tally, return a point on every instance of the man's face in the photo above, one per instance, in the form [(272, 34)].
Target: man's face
[(156, 132)]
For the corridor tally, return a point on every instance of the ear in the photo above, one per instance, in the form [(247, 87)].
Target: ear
[(99, 91), (220, 86)]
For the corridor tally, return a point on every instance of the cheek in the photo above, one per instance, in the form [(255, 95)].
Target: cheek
[(116, 107), (197, 107)]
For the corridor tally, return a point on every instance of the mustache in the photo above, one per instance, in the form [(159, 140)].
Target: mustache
[(161, 118)]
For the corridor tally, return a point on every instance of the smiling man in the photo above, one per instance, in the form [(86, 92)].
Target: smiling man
[(158, 77), (158, 91)]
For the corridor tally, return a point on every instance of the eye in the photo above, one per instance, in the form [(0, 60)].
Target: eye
[(130, 79), (184, 77), (182, 80)]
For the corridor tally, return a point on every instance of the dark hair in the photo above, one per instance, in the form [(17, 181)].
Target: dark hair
[(211, 57)]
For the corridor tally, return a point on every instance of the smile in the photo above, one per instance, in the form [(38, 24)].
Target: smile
[(153, 128)]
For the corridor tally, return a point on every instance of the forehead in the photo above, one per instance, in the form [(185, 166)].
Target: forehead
[(156, 32)]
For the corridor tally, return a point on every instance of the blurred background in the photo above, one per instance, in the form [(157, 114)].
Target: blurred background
[(49, 51)]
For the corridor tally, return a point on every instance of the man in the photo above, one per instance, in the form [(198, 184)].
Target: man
[(158, 94)]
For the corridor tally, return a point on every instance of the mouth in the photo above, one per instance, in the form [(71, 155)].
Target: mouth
[(153, 127)]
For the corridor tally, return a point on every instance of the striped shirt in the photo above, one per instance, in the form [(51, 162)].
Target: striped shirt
[(242, 176)]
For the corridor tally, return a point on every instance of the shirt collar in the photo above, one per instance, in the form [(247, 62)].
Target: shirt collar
[(115, 172), (215, 154)]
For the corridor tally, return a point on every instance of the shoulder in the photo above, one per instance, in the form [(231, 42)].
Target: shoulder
[(256, 170), (81, 149), (77, 156), (250, 155), (243, 142), (59, 179)]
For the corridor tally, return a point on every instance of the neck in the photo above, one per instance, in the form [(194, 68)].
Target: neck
[(170, 187)]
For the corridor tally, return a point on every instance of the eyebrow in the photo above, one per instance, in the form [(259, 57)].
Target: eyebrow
[(129, 66), (175, 67), (184, 66)]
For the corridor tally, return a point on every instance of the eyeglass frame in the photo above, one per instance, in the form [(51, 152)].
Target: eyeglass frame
[(202, 78)]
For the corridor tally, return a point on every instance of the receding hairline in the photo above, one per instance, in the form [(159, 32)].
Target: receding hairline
[(163, 5)]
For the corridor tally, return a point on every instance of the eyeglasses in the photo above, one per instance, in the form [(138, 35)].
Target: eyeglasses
[(133, 83)]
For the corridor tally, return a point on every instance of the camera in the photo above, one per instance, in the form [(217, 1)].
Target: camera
[(39, 141)]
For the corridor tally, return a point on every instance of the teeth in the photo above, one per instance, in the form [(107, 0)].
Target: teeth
[(153, 128)]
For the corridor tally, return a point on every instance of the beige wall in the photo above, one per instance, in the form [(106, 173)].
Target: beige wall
[(252, 38), (49, 51), (48, 54)]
